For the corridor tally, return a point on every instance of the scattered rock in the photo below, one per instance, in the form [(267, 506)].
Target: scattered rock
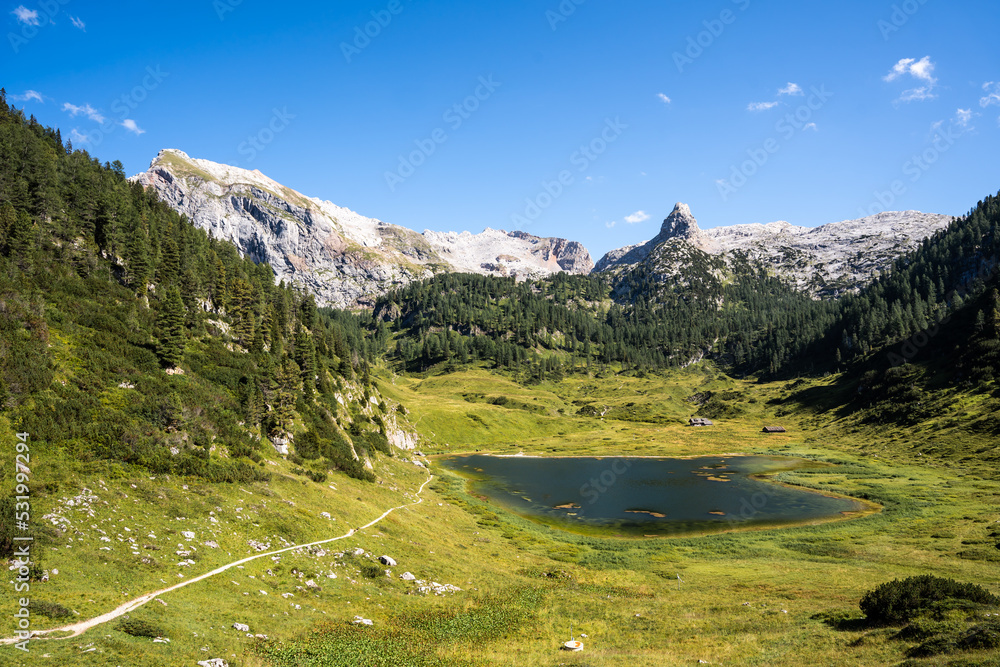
[(387, 561), (213, 662), (242, 627), (362, 621), (406, 576)]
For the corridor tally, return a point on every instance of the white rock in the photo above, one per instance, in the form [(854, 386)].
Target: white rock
[(256, 213), (387, 561), (406, 576), (242, 627), (213, 662)]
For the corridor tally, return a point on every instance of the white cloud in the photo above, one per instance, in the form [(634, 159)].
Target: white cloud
[(810, 126), (963, 117), (918, 94), (78, 23), (28, 95), (664, 98), (89, 111), (26, 16), (130, 125), (637, 217), (610, 225), (78, 138), (791, 89), (761, 106), (992, 90), (922, 70)]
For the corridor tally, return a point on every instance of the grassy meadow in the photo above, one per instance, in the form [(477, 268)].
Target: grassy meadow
[(765, 597)]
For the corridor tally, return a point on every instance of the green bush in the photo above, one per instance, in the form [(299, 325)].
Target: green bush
[(48, 609), (372, 570), (140, 628), (899, 601)]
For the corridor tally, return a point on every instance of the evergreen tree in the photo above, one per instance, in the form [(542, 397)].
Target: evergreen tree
[(305, 356), (170, 325)]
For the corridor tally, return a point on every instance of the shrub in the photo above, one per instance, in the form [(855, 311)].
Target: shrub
[(140, 628), (48, 609), (372, 570), (899, 601)]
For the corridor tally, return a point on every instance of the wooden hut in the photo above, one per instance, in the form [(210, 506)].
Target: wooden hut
[(700, 421), (774, 429)]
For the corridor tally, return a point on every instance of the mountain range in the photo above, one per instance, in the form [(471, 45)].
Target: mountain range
[(348, 260), (344, 258)]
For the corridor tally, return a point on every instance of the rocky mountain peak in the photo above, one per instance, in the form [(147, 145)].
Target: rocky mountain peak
[(680, 223), (346, 259), (825, 261)]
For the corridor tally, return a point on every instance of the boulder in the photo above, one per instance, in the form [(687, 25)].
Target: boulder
[(406, 576), (213, 662), (388, 561), (242, 627)]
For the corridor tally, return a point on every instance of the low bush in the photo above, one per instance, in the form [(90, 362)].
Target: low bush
[(140, 628), (898, 601), (48, 609)]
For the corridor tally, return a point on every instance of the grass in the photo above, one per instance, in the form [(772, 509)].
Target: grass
[(751, 598)]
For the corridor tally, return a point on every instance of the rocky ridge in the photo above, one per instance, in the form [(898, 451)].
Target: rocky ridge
[(344, 258), (825, 261)]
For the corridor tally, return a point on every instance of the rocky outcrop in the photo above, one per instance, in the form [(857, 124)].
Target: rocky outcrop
[(825, 261), (345, 259)]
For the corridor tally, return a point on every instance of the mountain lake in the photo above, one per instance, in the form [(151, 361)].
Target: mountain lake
[(650, 497)]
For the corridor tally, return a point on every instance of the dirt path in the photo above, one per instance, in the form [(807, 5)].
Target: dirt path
[(78, 629)]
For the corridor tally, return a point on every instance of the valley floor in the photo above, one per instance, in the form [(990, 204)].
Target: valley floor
[(767, 597)]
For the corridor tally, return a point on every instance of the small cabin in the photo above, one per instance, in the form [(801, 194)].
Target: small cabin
[(774, 429), (699, 421)]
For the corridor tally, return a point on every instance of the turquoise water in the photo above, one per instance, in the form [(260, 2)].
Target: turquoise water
[(639, 496)]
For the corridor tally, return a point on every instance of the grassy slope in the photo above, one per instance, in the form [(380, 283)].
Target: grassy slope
[(622, 593)]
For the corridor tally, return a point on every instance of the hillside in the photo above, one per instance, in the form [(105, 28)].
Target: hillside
[(345, 259), (128, 335)]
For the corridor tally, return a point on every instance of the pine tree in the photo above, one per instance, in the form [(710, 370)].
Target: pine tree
[(170, 259), (286, 389), (170, 326), (139, 267), (8, 219), (305, 356)]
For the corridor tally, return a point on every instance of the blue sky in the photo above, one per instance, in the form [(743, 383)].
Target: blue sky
[(585, 119)]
